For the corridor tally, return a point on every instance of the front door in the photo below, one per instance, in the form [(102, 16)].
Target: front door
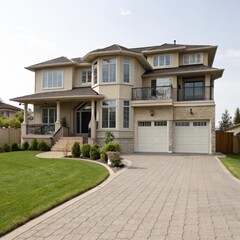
[(83, 117)]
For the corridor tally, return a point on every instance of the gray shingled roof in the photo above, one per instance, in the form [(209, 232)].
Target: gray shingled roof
[(181, 69), (9, 107), (114, 47), (74, 93)]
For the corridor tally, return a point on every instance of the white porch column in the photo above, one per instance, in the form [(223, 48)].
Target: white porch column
[(93, 121), (58, 112), (25, 113)]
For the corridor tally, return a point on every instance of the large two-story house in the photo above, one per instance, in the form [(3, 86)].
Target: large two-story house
[(153, 99)]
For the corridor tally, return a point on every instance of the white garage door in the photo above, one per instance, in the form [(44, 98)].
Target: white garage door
[(152, 136), (191, 137)]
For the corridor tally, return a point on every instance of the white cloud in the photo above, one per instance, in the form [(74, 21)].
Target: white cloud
[(229, 53), (124, 12)]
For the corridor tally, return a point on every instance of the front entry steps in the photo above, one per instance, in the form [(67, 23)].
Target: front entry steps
[(64, 144)]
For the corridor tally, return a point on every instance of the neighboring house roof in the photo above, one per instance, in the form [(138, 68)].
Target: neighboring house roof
[(235, 129), (76, 93), (216, 73), (4, 106)]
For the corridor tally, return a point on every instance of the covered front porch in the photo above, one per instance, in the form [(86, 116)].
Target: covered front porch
[(61, 114)]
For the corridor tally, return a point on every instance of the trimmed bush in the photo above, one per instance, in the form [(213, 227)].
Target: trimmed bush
[(103, 155), (14, 147), (108, 137), (34, 145), (76, 152), (95, 152), (6, 147), (25, 146), (114, 159), (43, 146), (112, 147), (86, 150)]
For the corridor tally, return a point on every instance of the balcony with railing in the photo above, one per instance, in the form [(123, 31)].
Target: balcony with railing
[(40, 129), (168, 94)]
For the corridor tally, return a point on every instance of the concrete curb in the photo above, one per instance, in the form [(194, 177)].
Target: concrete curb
[(227, 171), (18, 231)]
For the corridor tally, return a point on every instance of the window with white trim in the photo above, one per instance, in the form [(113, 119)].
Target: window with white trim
[(52, 79), (144, 124), (162, 60), (126, 71), (48, 115), (194, 58), (160, 123), (126, 114), (199, 124), (109, 114), (182, 124), (108, 70), (86, 76), (95, 73)]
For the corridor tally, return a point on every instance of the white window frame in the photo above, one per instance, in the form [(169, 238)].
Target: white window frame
[(192, 58), (126, 65), (112, 104), (88, 75), (46, 81), (108, 65), (128, 120), (161, 60)]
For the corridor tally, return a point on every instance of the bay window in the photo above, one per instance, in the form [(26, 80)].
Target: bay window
[(109, 114), (126, 114), (108, 70), (126, 71)]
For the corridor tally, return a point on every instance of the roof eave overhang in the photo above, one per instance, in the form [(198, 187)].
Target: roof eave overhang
[(30, 100), (215, 73), (91, 56), (176, 49), (33, 68)]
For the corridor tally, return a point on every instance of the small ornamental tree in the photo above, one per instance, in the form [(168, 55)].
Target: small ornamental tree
[(236, 119), (226, 121)]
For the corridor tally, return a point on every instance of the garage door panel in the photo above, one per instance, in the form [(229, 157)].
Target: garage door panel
[(192, 138)]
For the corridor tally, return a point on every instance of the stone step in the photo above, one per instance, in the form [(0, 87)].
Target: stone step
[(65, 144)]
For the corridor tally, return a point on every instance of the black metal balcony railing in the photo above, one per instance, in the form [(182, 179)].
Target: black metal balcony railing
[(158, 93), (167, 93), (40, 129)]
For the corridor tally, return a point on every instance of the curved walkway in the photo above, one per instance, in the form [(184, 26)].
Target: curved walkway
[(159, 197)]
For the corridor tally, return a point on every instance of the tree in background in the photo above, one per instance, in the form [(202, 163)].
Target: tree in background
[(236, 119), (226, 121)]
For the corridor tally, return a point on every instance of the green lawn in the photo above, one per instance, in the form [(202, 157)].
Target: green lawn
[(232, 163), (30, 186)]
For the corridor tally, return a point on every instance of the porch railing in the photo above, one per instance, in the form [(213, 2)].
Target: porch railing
[(148, 93), (40, 129)]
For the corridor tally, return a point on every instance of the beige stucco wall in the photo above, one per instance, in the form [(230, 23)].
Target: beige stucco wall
[(68, 73), (77, 79)]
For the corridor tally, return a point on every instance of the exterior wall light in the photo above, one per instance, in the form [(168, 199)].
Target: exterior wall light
[(191, 111), (152, 112)]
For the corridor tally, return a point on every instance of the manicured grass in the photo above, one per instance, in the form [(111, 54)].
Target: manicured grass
[(30, 186), (232, 163)]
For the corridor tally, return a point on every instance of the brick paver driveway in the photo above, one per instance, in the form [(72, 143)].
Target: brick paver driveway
[(159, 197)]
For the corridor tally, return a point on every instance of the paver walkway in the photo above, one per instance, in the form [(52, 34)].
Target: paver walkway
[(159, 197)]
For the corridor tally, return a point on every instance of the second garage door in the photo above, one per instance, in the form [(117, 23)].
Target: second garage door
[(191, 137), (152, 136)]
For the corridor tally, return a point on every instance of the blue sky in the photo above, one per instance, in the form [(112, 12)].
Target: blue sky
[(39, 30)]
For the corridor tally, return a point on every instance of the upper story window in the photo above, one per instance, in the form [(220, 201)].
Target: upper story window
[(86, 76), (108, 70), (95, 73), (126, 71), (162, 60), (53, 79), (194, 58)]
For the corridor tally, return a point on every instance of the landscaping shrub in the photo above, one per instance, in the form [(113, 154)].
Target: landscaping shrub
[(86, 150), (114, 159), (14, 147), (95, 152), (76, 152), (43, 146), (6, 147), (108, 137), (25, 146), (112, 147), (34, 145), (103, 155)]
